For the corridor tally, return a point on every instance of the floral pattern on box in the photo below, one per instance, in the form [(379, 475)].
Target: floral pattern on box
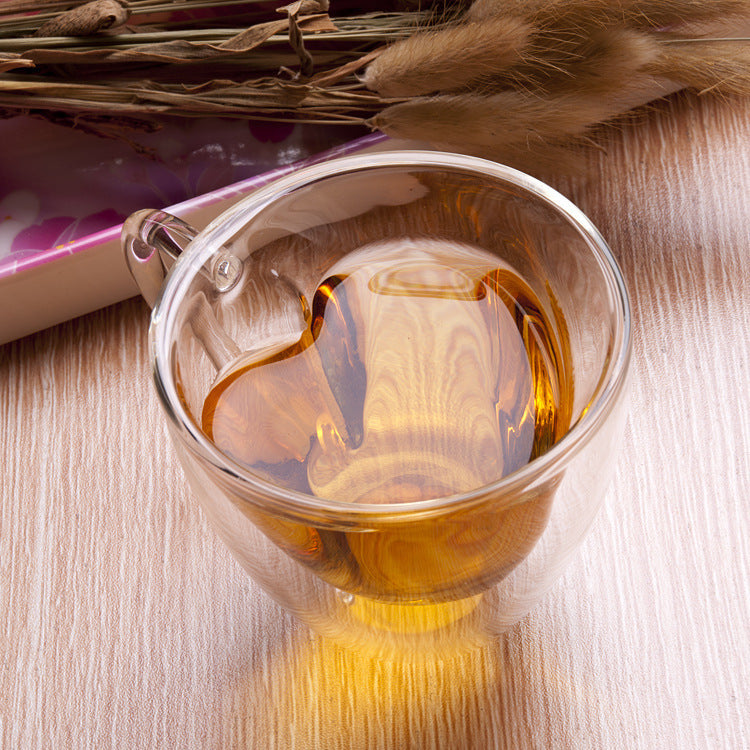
[(59, 186)]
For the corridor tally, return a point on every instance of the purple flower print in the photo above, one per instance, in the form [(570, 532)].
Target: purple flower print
[(17, 210), (60, 230)]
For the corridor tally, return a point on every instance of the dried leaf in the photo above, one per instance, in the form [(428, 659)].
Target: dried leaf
[(298, 45), (304, 7), (12, 61), (326, 78), (254, 36), (318, 24)]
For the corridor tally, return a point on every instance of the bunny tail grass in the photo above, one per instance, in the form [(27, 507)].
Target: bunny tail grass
[(721, 66), (651, 14), (447, 59), (506, 119)]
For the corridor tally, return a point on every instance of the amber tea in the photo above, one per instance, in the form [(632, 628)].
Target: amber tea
[(368, 368), (426, 369)]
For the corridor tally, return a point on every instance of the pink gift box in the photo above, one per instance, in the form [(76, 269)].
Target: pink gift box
[(64, 195)]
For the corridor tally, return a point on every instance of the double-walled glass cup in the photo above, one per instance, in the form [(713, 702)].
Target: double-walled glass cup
[(421, 261)]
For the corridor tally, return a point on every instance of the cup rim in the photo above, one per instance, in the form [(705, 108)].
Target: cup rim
[(221, 229)]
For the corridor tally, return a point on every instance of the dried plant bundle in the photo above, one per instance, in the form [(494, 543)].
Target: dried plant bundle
[(218, 98), (526, 81)]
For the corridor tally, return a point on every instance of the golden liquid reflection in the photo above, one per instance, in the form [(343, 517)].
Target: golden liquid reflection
[(417, 619), (316, 694)]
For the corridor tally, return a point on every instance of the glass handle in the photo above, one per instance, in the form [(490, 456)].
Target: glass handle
[(152, 241)]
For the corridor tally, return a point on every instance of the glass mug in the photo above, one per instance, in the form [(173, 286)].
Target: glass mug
[(396, 383)]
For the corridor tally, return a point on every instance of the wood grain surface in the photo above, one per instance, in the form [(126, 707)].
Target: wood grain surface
[(125, 623)]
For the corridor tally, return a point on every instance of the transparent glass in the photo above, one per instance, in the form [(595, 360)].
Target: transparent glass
[(391, 570)]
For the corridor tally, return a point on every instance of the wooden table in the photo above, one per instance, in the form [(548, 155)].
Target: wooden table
[(125, 623)]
